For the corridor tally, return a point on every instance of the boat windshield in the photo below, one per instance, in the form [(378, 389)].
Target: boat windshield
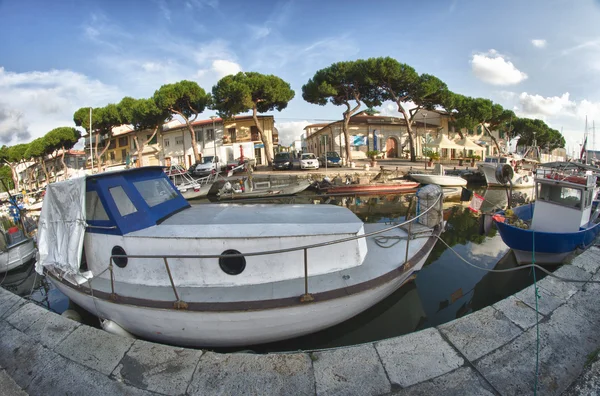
[(565, 196), (155, 191)]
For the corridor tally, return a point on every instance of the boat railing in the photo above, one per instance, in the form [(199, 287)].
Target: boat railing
[(407, 225)]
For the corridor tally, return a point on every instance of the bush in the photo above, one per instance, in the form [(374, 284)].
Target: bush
[(433, 156), (372, 154)]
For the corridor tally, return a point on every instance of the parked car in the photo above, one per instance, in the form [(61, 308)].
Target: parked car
[(207, 165), (309, 161), (249, 162), (283, 161), (332, 159)]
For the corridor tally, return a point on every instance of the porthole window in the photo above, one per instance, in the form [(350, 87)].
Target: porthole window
[(119, 261), (232, 265)]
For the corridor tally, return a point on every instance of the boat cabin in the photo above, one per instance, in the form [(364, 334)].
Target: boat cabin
[(121, 202), (563, 203)]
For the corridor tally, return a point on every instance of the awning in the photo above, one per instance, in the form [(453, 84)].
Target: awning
[(468, 144), (442, 142)]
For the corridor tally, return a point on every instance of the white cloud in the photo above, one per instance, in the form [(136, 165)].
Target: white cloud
[(33, 103), (259, 32), (537, 105), (290, 131), (223, 67), (539, 43), (492, 68)]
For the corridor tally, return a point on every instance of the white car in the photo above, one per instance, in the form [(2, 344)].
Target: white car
[(309, 161)]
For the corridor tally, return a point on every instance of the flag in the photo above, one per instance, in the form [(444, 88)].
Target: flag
[(476, 202), (583, 148)]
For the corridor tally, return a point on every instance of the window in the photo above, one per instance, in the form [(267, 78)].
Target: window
[(93, 207), (153, 140), (123, 141), (179, 141), (112, 155), (112, 144), (122, 201), (166, 143), (565, 196), (210, 134), (155, 191), (198, 135), (254, 135), (232, 134), (123, 154)]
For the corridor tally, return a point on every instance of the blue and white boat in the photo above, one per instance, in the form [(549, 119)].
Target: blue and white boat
[(563, 218), (129, 248)]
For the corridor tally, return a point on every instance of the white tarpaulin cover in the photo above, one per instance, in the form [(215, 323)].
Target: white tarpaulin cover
[(61, 227)]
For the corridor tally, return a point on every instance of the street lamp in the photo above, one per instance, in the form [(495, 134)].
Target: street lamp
[(425, 134), (213, 118)]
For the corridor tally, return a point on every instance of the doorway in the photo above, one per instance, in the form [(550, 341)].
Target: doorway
[(257, 156), (391, 146)]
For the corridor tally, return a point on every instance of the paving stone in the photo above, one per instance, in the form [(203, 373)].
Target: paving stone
[(547, 302), (21, 357), (464, 381), (65, 377), (240, 373), (94, 348), (158, 368), (585, 302), (587, 384), (480, 333), (27, 315), (417, 357), (350, 371), (563, 289), (8, 303), (511, 368), (51, 329), (518, 312), (588, 260), (8, 387)]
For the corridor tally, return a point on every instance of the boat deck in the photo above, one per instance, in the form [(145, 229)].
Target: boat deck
[(379, 261)]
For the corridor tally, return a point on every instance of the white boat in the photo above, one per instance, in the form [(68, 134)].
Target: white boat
[(521, 177), (189, 187), (249, 187), (439, 177), (16, 249), (221, 274)]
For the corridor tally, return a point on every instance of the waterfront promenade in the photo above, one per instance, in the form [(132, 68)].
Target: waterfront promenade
[(489, 352)]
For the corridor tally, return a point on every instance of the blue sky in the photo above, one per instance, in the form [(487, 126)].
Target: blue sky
[(538, 57)]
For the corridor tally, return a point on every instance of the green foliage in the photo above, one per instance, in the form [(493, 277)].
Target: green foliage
[(372, 154), (185, 98), (16, 153), (142, 113), (371, 111), (82, 118), (6, 176), (235, 94), (434, 156), (36, 149), (544, 135), (61, 137)]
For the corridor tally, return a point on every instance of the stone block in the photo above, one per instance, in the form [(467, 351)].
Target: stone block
[(8, 387), (8, 302), (585, 302), (158, 368), (518, 312), (94, 348), (21, 357), (463, 381), (51, 329), (511, 368), (65, 377), (547, 302), (240, 373), (26, 316), (417, 357), (350, 371), (588, 260), (479, 333), (562, 289)]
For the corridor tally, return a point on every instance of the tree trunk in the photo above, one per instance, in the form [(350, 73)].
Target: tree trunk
[(140, 150), (493, 138), (266, 142), (45, 171), (62, 159), (15, 177), (347, 114), (411, 137), (192, 135)]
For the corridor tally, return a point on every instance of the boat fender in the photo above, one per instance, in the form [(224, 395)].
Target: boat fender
[(526, 179), (111, 327), (72, 314)]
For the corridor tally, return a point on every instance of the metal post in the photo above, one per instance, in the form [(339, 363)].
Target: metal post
[(213, 118), (409, 229), (178, 304), (113, 295), (91, 145), (306, 297)]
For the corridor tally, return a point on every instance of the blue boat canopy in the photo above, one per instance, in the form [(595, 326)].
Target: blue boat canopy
[(126, 201)]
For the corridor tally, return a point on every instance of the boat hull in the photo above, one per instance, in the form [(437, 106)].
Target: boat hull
[(373, 188), (440, 180), (265, 193), (17, 255), (549, 247), (519, 180)]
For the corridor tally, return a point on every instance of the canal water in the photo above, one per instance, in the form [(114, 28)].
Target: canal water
[(445, 289)]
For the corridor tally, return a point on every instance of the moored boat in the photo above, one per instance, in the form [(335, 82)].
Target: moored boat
[(189, 187), (132, 250), (440, 180), (16, 249), (520, 177), (563, 218), (373, 188)]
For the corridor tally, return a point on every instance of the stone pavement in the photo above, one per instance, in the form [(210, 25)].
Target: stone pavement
[(490, 352)]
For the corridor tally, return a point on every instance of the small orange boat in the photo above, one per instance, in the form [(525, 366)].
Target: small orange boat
[(379, 188)]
